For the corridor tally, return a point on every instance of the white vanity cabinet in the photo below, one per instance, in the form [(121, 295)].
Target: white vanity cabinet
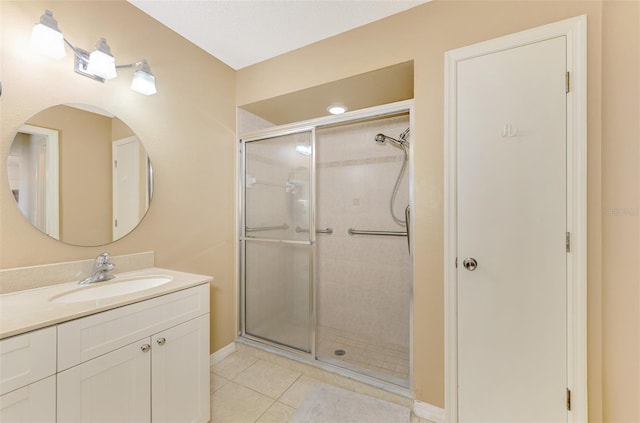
[(148, 361), (180, 373), (27, 377)]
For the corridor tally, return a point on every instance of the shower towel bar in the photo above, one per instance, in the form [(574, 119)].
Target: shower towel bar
[(318, 231), (377, 233), (267, 228)]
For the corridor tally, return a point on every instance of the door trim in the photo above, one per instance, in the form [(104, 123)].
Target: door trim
[(116, 232), (52, 195), (575, 31)]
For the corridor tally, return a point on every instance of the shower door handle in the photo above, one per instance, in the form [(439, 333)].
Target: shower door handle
[(407, 220), (329, 231)]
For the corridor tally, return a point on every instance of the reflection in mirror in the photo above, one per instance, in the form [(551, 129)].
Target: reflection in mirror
[(80, 175)]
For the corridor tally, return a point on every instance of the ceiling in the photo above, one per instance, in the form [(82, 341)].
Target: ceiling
[(245, 32)]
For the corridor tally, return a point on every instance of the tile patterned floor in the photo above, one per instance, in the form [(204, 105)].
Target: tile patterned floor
[(254, 386)]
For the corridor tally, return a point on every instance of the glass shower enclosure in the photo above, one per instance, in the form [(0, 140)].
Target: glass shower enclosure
[(325, 272), (278, 239)]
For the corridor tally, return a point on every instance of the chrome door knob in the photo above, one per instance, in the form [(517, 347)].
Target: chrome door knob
[(470, 264), (161, 341), (145, 347)]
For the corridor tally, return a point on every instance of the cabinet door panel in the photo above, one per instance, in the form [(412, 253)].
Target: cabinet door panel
[(33, 403), (111, 388), (27, 358), (180, 373)]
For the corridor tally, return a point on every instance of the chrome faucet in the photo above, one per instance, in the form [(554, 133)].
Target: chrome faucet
[(100, 269)]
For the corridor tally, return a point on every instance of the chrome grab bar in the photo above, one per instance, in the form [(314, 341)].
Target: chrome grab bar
[(267, 228), (377, 233), (329, 231)]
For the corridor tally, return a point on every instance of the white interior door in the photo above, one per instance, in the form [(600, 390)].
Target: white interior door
[(511, 219), (126, 186), (33, 171)]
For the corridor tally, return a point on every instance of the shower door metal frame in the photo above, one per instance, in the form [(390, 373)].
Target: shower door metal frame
[(311, 241), (386, 110)]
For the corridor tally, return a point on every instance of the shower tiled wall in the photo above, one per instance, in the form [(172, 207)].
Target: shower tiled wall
[(364, 282)]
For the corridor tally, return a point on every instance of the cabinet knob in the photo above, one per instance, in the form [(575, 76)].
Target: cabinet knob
[(161, 341), (145, 347)]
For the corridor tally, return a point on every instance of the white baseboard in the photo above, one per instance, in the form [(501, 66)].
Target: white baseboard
[(429, 412), (223, 352)]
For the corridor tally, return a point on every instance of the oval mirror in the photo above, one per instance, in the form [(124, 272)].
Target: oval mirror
[(80, 175)]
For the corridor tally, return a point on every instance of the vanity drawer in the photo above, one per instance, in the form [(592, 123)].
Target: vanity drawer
[(27, 358), (89, 337)]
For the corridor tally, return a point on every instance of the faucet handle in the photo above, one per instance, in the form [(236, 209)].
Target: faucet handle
[(102, 259)]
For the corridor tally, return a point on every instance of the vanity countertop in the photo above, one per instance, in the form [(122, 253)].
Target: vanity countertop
[(24, 311)]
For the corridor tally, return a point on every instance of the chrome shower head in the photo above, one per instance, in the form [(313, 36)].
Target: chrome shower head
[(382, 138)]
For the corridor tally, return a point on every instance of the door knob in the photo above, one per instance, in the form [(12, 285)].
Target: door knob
[(145, 347), (161, 341), (470, 264)]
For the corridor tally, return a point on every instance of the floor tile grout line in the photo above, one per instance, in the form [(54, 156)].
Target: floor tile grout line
[(250, 366), (262, 393), (274, 400)]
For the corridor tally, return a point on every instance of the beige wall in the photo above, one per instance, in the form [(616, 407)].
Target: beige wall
[(120, 130), (85, 173), (423, 34), (621, 211), (187, 127)]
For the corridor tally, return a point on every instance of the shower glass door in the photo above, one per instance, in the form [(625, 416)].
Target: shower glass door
[(278, 237)]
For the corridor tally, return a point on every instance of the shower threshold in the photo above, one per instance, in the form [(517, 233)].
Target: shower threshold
[(400, 388)]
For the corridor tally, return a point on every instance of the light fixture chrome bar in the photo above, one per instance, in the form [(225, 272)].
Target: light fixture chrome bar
[(267, 228), (131, 65), (75, 50), (376, 233), (329, 231), (81, 63)]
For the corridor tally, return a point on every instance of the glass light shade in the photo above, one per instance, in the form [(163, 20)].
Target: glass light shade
[(102, 65), (47, 41), (336, 109), (143, 82)]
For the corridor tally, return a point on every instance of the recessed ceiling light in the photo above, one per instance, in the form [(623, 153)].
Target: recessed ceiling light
[(337, 109)]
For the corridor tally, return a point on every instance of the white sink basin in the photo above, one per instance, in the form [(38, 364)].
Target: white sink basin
[(113, 288)]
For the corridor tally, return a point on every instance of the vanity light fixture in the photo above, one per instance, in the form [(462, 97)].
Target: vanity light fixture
[(143, 80), (101, 62), (337, 109), (47, 38), (99, 65)]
